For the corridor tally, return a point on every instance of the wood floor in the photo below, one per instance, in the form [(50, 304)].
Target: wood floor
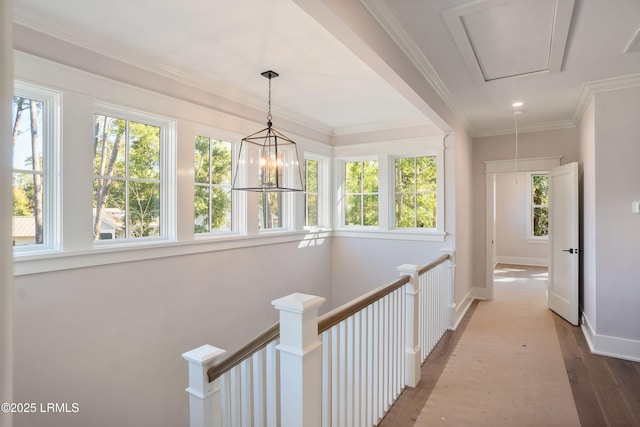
[(606, 390)]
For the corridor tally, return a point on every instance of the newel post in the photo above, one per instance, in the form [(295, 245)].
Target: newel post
[(204, 397), (300, 360), (413, 352), (451, 267)]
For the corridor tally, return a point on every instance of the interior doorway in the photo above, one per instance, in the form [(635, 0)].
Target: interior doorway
[(493, 169)]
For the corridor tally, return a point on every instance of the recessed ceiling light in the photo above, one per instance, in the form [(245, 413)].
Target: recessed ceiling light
[(517, 104)]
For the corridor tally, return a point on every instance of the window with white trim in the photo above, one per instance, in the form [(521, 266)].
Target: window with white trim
[(130, 175), (312, 194), (416, 192), (270, 210), (212, 198), (36, 123), (361, 193), (538, 223)]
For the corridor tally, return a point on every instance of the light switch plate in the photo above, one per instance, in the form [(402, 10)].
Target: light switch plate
[(635, 207)]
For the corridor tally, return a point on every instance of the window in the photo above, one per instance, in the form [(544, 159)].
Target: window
[(129, 177), (270, 210), (35, 148), (311, 198), (361, 193), (212, 185), (415, 192), (539, 206)]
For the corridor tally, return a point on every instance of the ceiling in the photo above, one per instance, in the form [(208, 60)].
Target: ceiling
[(484, 54)]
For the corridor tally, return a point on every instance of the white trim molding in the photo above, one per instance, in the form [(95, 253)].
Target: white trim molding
[(522, 260), (605, 345)]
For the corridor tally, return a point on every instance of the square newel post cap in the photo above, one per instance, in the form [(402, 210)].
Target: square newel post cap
[(298, 303), (407, 268), (203, 355)]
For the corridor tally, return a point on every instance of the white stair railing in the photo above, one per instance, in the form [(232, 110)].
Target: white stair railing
[(344, 369)]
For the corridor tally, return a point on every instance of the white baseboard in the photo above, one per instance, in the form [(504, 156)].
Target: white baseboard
[(522, 260), (458, 311), (604, 345)]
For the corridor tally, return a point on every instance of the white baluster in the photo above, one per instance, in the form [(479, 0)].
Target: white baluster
[(204, 397), (273, 391), (300, 360)]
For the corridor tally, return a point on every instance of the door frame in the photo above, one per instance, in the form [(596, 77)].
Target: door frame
[(491, 168)]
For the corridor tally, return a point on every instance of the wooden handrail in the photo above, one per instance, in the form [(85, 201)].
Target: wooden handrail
[(433, 264), (325, 323), (258, 343), (347, 310)]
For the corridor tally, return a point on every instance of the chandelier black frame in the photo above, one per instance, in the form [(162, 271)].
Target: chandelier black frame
[(269, 159)]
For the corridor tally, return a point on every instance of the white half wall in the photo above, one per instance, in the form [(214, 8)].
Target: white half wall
[(109, 338), (363, 264)]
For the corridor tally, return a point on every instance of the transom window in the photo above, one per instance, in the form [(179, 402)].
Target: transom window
[(415, 192), (212, 185), (361, 193)]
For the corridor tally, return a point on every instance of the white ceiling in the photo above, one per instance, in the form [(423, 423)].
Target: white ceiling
[(223, 45)]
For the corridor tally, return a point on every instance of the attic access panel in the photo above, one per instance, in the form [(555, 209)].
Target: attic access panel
[(502, 38)]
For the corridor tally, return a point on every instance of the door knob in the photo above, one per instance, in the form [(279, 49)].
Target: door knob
[(570, 250)]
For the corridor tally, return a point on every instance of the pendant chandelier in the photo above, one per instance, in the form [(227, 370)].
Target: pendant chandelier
[(267, 160)]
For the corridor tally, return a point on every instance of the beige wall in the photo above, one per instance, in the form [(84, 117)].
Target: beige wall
[(512, 206), (110, 337), (6, 250), (588, 213), (617, 230), (530, 145)]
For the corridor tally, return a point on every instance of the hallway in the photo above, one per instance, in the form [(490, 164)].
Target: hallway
[(526, 375)]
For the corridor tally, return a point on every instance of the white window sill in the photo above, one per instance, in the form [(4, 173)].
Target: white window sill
[(102, 254), (538, 240), (396, 234), (112, 254)]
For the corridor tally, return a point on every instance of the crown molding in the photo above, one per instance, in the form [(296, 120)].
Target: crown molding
[(374, 127), (388, 21), (589, 89), (536, 127), (72, 48)]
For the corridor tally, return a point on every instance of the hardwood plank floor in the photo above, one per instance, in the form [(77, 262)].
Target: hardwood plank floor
[(408, 406), (606, 390)]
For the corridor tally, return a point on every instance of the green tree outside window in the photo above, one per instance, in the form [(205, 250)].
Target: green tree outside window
[(361, 193), (126, 169), (28, 172), (540, 205), (311, 192), (212, 202), (415, 192)]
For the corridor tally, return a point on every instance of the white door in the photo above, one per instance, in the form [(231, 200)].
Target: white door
[(564, 261)]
